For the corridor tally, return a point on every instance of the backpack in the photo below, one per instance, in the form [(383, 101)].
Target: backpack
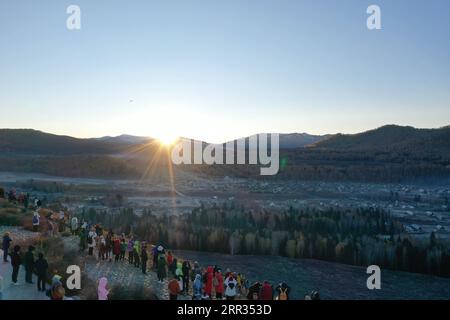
[(231, 285), (35, 220), (283, 294), (89, 240), (315, 295)]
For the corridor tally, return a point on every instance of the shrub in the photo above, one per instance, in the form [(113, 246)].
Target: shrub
[(8, 218), (52, 248)]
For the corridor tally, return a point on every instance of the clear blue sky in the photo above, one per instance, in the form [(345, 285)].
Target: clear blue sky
[(220, 69)]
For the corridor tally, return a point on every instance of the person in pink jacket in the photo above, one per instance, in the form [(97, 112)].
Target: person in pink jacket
[(103, 292)]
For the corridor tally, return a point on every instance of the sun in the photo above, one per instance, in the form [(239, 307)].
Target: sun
[(167, 139)]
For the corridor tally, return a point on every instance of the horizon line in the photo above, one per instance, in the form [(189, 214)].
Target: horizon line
[(261, 132)]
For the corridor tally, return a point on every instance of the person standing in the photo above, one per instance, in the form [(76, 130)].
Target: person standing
[(102, 291), (169, 258), (41, 267), (109, 244), (103, 249), (136, 251), (161, 268), (266, 291), (16, 261), (130, 248), (179, 274), (173, 266), (74, 225), (230, 284), (186, 268), (174, 289), (155, 257), (36, 221), (6, 243), (144, 259), (283, 291), (197, 287), (123, 249), (209, 280), (61, 221), (83, 239), (29, 265), (91, 241), (218, 284), (116, 248)]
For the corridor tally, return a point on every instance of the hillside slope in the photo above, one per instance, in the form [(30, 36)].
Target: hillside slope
[(392, 138), (28, 141)]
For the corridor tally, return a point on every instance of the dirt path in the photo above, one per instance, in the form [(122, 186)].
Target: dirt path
[(24, 291)]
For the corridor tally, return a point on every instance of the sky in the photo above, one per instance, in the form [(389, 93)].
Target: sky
[(221, 69)]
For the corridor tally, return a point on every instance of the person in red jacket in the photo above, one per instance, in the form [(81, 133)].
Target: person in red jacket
[(266, 291), (116, 248), (169, 258), (209, 281), (174, 289), (218, 284)]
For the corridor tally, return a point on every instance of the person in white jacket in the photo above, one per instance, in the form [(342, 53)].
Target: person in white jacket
[(36, 221), (91, 241), (230, 287)]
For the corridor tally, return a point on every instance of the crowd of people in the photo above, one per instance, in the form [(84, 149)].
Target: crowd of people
[(30, 265), (22, 198), (186, 278)]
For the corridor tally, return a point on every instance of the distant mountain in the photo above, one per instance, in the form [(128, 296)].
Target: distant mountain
[(125, 138), (296, 140), (392, 138), (387, 154), (28, 141), (299, 140)]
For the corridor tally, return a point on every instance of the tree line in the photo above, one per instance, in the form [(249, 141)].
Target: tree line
[(361, 236)]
